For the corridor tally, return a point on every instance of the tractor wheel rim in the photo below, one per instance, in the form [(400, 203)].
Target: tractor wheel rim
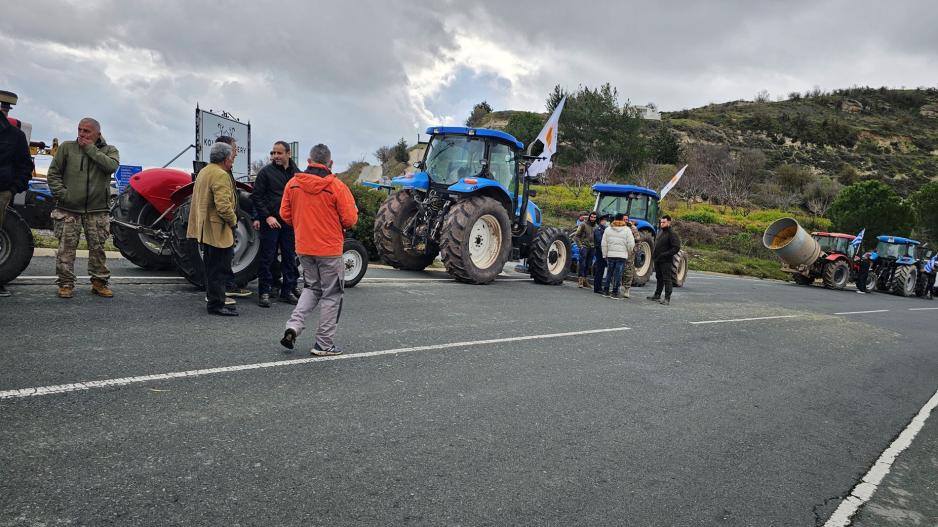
[(557, 257), (152, 244), (353, 264), (643, 260), (840, 276), (244, 250), (485, 241)]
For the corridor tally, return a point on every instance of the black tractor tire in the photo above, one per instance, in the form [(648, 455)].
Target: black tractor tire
[(903, 282), (871, 281), (801, 279), (644, 265), (679, 267), (187, 255), (16, 246), (478, 224), (141, 250), (836, 274), (392, 216), (550, 256), (355, 257)]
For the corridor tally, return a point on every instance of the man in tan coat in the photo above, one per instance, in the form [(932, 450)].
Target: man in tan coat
[(212, 220)]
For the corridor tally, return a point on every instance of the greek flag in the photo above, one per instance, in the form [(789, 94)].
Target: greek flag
[(930, 266), (858, 240)]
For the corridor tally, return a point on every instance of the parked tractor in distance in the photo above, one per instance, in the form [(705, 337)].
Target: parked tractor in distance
[(825, 255), (640, 204), (469, 203), (897, 268)]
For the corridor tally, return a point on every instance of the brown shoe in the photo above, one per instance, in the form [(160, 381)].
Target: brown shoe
[(100, 288), (66, 292)]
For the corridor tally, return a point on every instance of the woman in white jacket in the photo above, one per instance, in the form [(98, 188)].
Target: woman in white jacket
[(618, 244)]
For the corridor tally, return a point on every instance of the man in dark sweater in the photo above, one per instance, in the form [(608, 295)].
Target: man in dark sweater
[(667, 244), (16, 165), (274, 233)]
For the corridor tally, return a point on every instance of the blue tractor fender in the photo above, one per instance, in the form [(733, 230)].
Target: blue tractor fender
[(416, 181), (643, 225), (906, 260), (481, 186)]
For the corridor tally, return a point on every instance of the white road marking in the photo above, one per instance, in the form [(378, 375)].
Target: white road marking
[(393, 279), (923, 308), (743, 319), (123, 381), (53, 277), (862, 312), (870, 482)]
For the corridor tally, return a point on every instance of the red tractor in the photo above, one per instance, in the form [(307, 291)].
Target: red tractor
[(829, 256), (151, 216)]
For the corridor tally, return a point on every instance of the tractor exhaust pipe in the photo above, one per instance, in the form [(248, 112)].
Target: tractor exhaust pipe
[(791, 243)]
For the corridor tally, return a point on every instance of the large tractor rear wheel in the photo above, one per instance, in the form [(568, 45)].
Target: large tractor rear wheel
[(188, 257), (903, 283), (680, 268), (141, 249), (550, 255), (644, 265), (476, 240), (836, 274), (16, 246), (390, 222)]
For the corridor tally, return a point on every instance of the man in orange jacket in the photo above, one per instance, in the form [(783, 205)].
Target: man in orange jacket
[(319, 207)]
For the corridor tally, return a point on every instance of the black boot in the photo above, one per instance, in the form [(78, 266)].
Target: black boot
[(653, 297), (263, 300), (289, 339)]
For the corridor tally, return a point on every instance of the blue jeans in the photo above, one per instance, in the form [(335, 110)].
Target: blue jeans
[(586, 259), (272, 240), (614, 274)]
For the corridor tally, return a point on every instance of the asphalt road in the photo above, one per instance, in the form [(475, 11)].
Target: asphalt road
[(506, 404)]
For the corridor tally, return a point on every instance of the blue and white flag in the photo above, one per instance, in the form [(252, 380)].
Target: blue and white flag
[(930, 266), (858, 240)]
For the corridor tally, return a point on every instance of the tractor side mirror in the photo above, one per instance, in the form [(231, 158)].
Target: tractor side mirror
[(418, 165)]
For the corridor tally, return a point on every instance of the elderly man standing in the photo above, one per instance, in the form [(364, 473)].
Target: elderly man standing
[(80, 179), (212, 220), (319, 206)]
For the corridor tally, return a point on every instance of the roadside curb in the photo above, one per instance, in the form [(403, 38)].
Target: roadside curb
[(81, 253)]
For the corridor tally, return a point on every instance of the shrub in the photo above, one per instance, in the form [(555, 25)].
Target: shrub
[(699, 217), (368, 201)]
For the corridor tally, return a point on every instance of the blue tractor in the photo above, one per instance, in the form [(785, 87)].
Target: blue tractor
[(898, 268), (469, 203), (640, 204)]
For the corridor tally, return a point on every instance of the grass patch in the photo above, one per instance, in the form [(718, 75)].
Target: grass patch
[(722, 261)]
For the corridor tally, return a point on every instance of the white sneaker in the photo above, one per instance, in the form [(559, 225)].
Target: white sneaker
[(861, 292), (228, 301)]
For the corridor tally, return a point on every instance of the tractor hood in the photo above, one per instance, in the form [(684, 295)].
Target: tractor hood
[(417, 181)]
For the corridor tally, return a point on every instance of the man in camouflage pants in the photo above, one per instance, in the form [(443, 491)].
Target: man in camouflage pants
[(80, 180), (628, 272)]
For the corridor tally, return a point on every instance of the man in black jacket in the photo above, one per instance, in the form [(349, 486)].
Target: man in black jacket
[(274, 233), (16, 165), (667, 244)]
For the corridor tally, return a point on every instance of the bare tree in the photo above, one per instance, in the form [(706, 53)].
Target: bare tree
[(819, 195), (715, 172), (651, 176), (593, 169), (258, 164), (383, 154)]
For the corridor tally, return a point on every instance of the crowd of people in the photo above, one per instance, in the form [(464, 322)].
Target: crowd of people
[(607, 253)]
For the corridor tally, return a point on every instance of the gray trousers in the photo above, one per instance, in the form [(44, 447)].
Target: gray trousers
[(325, 285)]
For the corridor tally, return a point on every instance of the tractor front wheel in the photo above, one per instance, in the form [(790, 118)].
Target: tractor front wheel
[(476, 240), (903, 284), (355, 257), (643, 262), (836, 274), (16, 246), (680, 268), (390, 222), (550, 256)]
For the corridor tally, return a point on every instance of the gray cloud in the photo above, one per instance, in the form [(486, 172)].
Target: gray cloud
[(361, 74)]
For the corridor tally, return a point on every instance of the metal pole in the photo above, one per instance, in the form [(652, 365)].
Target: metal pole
[(178, 155)]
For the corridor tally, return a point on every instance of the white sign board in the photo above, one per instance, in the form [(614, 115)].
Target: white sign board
[(209, 126)]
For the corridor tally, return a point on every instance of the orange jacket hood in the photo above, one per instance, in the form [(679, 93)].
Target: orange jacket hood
[(311, 183)]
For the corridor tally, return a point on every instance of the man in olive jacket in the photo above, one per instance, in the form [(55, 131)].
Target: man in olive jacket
[(80, 179), (212, 219)]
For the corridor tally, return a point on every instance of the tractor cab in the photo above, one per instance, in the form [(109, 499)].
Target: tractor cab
[(902, 250), (835, 243), (638, 203)]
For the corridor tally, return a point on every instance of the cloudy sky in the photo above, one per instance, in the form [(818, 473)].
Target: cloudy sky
[(359, 74)]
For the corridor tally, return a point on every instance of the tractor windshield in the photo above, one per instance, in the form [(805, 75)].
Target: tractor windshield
[(503, 165), (833, 244), (451, 157), (895, 250), (636, 206)]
